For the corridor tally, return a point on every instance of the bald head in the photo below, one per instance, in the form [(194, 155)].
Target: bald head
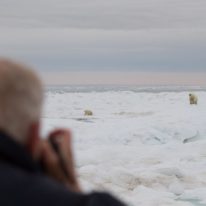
[(20, 99)]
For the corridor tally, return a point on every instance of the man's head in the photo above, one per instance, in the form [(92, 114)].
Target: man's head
[(21, 98)]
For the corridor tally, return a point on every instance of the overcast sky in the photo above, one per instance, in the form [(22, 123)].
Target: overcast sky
[(105, 35)]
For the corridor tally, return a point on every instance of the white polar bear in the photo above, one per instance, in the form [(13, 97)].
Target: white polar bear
[(193, 98), (88, 113)]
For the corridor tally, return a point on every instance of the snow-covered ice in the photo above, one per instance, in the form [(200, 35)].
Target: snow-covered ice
[(147, 148)]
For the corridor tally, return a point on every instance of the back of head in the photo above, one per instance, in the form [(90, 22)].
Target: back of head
[(20, 99)]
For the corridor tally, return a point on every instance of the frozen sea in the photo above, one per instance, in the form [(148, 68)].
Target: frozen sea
[(146, 145)]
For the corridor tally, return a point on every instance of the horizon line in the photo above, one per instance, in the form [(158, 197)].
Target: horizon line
[(124, 78)]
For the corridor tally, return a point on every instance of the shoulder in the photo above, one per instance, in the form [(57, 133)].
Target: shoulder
[(54, 192), (38, 189), (102, 199)]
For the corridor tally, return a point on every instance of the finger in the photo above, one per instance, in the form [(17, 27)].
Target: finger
[(60, 132), (64, 140), (49, 157), (51, 163)]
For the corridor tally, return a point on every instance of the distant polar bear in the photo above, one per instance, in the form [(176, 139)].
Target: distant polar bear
[(193, 98), (88, 113)]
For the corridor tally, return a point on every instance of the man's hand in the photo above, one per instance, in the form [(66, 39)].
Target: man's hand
[(60, 165)]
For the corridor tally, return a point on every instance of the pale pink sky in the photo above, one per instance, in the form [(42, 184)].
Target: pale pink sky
[(124, 78)]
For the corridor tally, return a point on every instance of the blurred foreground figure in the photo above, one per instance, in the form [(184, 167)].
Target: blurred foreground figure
[(35, 172)]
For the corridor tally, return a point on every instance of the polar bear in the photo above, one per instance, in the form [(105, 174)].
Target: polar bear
[(88, 113), (193, 98)]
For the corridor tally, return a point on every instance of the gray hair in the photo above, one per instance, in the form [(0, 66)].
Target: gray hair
[(21, 96)]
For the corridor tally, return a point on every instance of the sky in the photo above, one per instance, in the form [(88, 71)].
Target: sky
[(59, 37)]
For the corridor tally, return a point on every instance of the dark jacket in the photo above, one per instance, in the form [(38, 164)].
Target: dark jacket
[(22, 182)]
